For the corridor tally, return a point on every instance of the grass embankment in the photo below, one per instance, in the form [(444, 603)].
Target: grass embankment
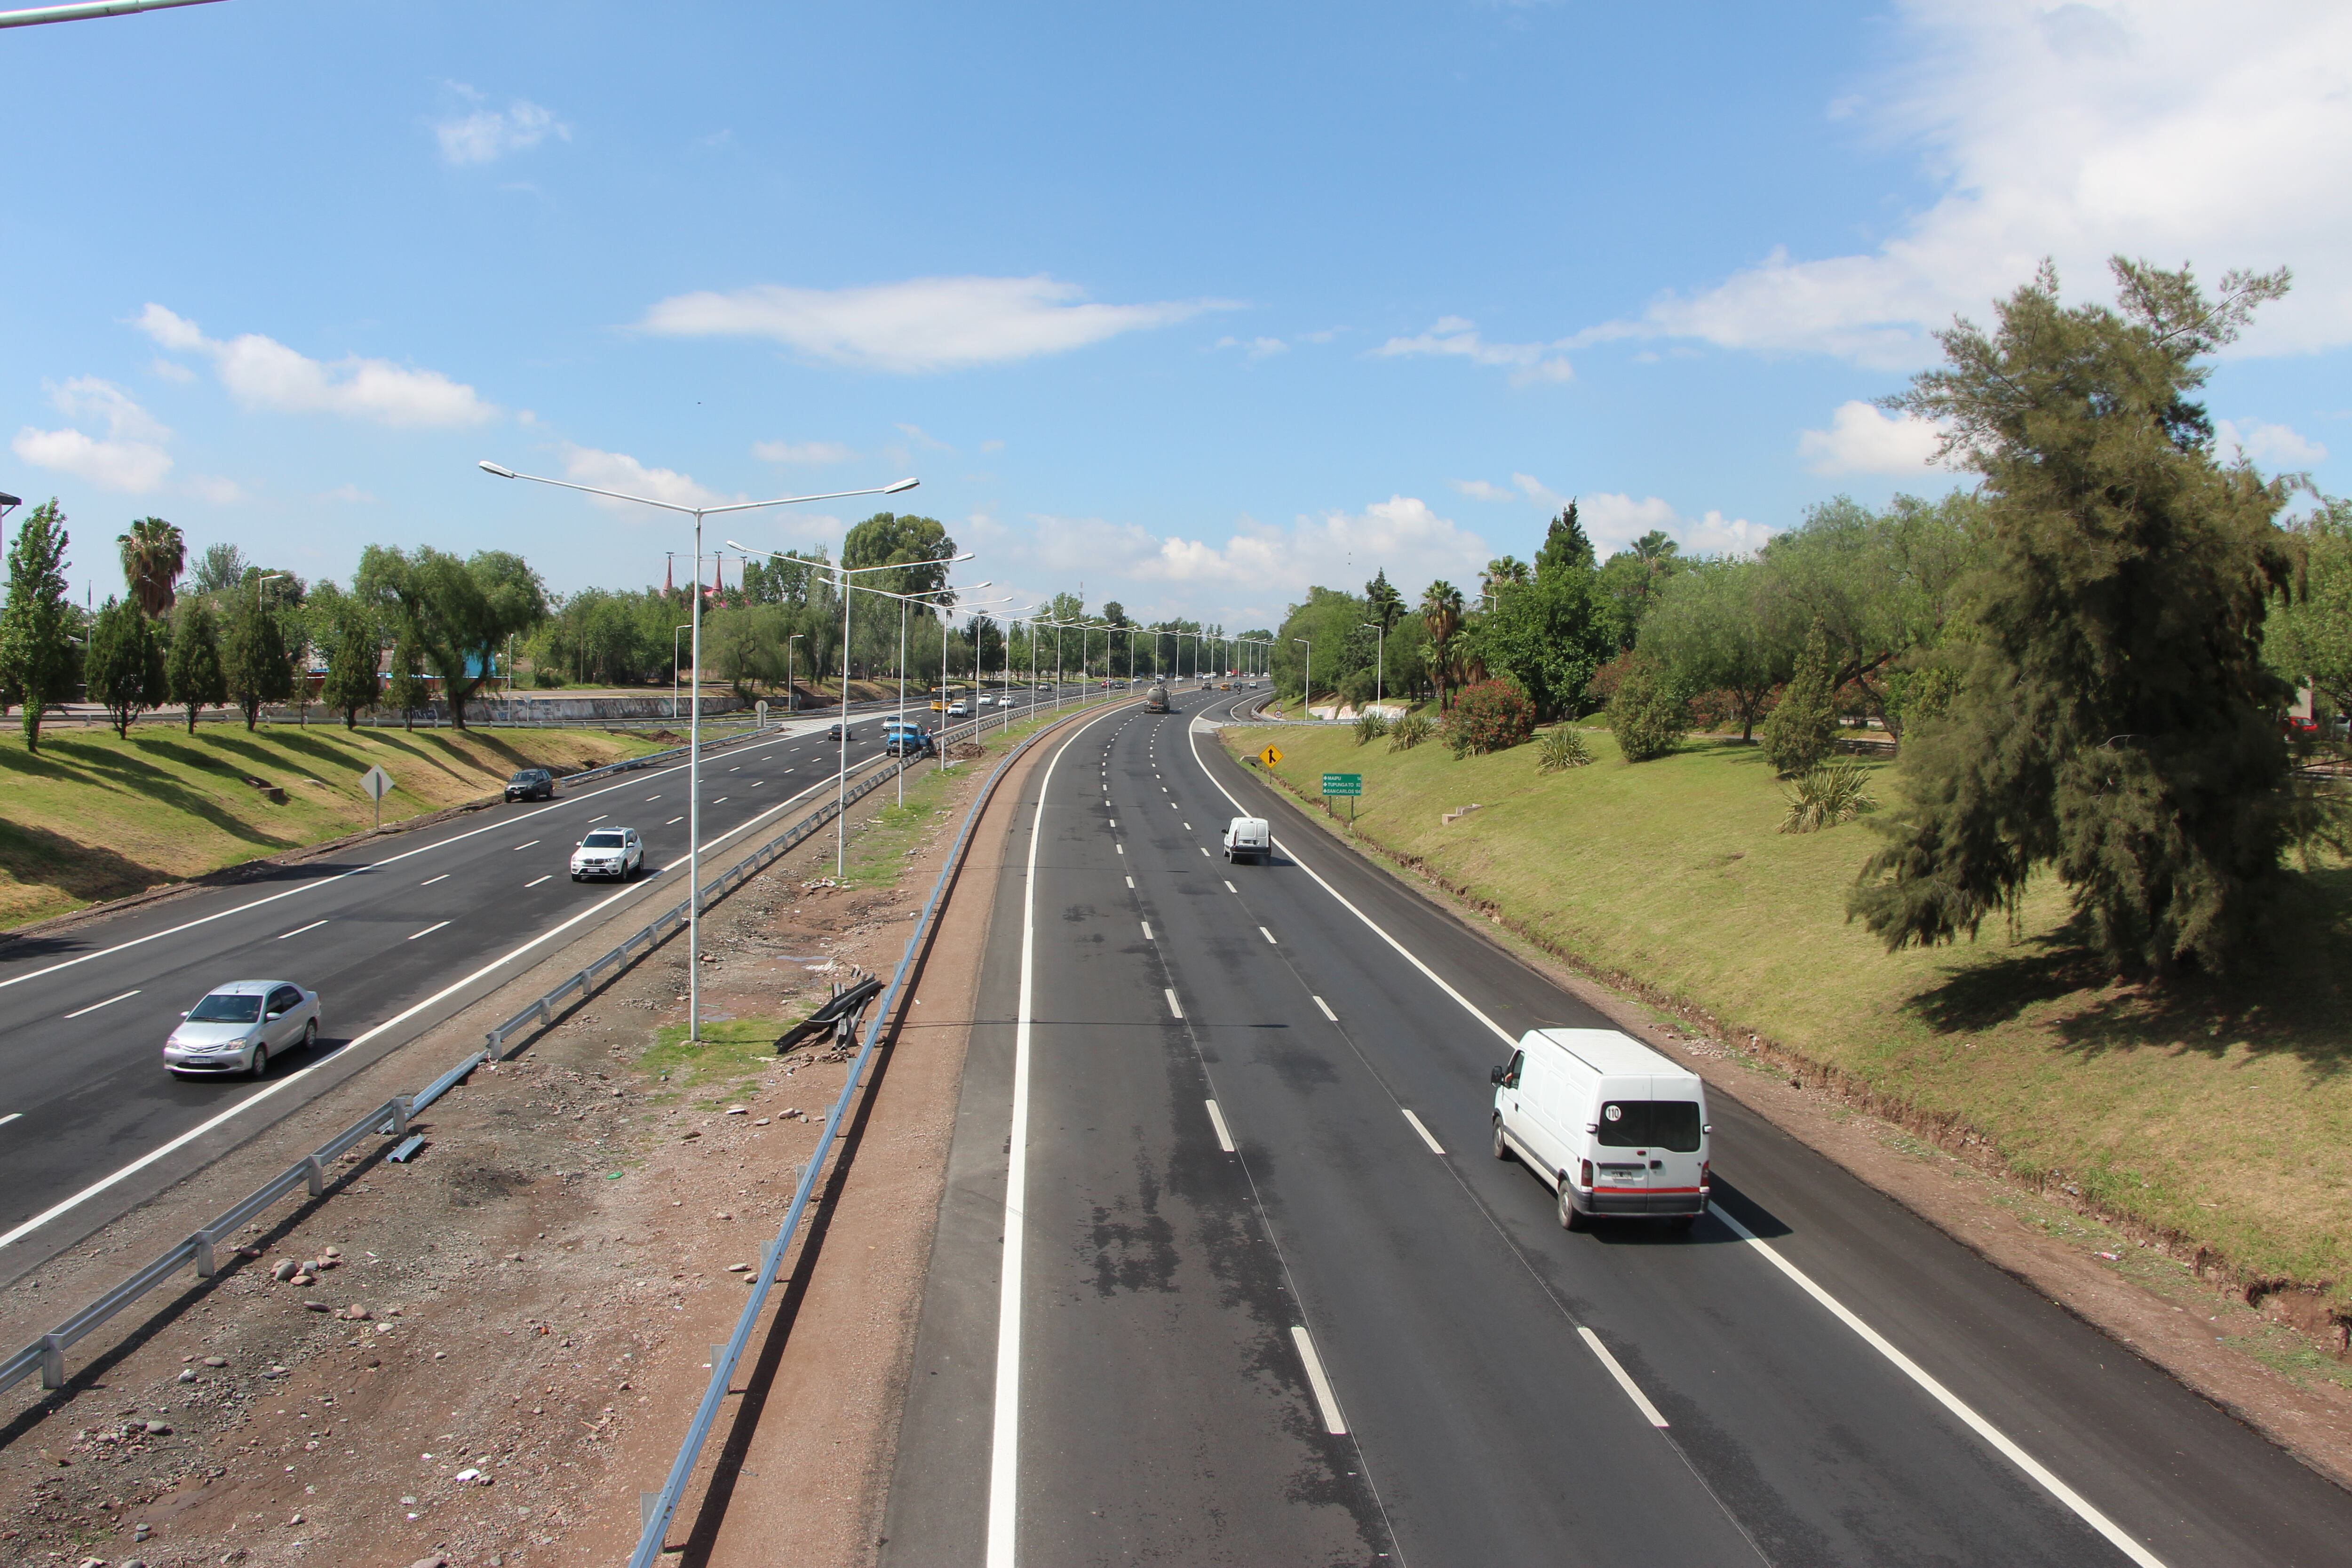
[(93, 816), (2221, 1117)]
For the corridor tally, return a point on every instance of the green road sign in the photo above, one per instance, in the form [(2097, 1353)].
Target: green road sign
[(1343, 784)]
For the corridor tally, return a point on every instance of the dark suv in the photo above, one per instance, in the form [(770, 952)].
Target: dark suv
[(531, 784)]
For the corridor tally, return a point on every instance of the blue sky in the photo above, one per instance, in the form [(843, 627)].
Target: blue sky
[(1195, 306)]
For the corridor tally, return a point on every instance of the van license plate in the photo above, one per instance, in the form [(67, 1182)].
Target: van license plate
[(1625, 1175)]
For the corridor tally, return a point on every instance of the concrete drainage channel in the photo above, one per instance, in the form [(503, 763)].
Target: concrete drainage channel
[(391, 1120), (657, 1507)]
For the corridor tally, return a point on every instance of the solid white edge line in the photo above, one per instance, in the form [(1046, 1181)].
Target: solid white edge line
[(329, 881), (1326, 1009), (1333, 1422), (1004, 1434), (428, 931), (1217, 1120), (1632, 1391), (1426, 1136), (110, 1002), (1173, 1006), (297, 931), (66, 1206), (1959, 1408)]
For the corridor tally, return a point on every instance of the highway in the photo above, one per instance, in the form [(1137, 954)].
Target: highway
[(396, 934), (1226, 1271)]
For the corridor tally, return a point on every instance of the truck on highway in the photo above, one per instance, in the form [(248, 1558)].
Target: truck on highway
[(1156, 700), (1611, 1127)]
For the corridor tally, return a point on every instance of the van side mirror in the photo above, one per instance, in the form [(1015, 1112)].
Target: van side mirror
[(1708, 1131), (1495, 1076)]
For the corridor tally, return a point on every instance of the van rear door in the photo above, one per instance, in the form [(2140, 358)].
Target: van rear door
[(1650, 1151)]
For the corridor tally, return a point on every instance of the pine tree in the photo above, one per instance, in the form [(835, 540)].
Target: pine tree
[(254, 660), (405, 690), (352, 676), (2117, 724), (1803, 729), (1647, 715), (1566, 546), (192, 671), (124, 669), (35, 659)]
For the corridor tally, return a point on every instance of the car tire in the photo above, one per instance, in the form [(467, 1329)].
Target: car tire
[(1571, 1218), (259, 1065), (1501, 1143), (311, 1033)]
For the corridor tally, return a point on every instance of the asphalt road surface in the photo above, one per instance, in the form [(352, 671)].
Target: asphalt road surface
[(1227, 1272), (395, 935)]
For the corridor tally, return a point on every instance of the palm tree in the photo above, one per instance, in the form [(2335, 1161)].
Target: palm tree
[(1441, 612), (153, 556)]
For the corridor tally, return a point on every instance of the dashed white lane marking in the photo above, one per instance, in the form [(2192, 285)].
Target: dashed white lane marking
[(428, 931), (1217, 1120), (12, 1116), (1329, 1402), (111, 1001), (1187, 827), (1120, 848), (1114, 822), (673, 822), (1326, 1009), (532, 845), (600, 816), (1173, 1006), (1632, 1391), (1265, 934), (721, 801), (1434, 1146), (430, 881), (297, 931), (1130, 881), (536, 880), (1985, 1429), (653, 797), (1205, 851), (1147, 932), (1231, 888)]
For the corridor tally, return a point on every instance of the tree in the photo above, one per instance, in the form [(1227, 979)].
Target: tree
[(254, 661), (405, 689), (1547, 637), (1803, 728), (2117, 724), (1647, 715), (457, 613), (1713, 631), (1440, 615), (1564, 546), (153, 556), (125, 665), (2309, 638), (1385, 603), (1491, 716), (35, 659), (920, 546), (219, 569), (192, 676), (1631, 580), (355, 644)]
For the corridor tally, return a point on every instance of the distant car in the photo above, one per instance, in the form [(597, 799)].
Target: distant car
[(958, 710), (531, 784), (833, 732), (238, 1026), (615, 852)]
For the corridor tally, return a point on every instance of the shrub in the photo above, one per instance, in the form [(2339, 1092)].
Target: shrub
[(1803, 728), (1561, 748), (1838, 792), (1648, 716), (1491, 716), (1410, 732), (1369, 727)]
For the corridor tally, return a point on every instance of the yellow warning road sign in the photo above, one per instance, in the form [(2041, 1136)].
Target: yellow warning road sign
[(1271, 756)]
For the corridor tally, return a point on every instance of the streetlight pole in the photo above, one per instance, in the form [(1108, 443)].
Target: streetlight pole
[(694, 727), (792, 692)]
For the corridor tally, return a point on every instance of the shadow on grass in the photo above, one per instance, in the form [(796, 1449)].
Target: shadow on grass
[(2289, 1002), (36, 857), (136, 775)]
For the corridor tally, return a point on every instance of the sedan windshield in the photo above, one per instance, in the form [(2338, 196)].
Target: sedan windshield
[(222, 1007), (528, 776), (601, 841)]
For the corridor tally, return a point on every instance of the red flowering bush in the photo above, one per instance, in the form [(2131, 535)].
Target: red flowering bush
[(1490, 716)]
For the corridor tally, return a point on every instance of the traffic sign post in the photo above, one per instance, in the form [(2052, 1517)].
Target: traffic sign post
[(375, 783), (1347, 784), (1271, 756)]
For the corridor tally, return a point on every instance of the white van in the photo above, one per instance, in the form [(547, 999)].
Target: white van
[(1248, 838), (1614, 1128)]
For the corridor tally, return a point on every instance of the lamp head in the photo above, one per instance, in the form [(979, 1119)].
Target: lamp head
[(900, 488), (489, 467)]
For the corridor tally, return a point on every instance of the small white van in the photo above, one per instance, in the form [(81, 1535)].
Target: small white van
[(1613, 1126), (1249, 837)]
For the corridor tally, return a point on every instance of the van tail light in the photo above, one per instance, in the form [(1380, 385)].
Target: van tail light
[(1584, 1172), (1702, 1174)]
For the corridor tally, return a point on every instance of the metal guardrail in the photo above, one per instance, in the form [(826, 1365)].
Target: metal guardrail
[(391, 1119), (657, 1507)]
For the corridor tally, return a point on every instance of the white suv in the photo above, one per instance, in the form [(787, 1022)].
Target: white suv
[(615, 852)]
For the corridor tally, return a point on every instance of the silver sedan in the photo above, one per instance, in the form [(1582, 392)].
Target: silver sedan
[(237, 1028)]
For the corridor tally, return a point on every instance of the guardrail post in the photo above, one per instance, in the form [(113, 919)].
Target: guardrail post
[(53, 1361), (205, 1267), (400, 1116), (316, 1173)]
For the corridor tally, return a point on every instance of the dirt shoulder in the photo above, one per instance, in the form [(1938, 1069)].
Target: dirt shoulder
[(498, 1345), (2270, 1359)]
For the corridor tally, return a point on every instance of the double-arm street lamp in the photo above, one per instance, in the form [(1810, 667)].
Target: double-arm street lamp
[(694, 728)]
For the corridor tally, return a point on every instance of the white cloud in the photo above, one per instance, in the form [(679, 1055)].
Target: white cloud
[(1861, 439), (349, 493), (922, 324), (619, 471), (485, 135), (805, 452), (130, 456), (171, 370), (1480, 489), (1457, 336), (2076, 131), (2280, 446), (1255, 348), (991, 445), (1613, 521), (219, 491), (262, 373), (924, 439)]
